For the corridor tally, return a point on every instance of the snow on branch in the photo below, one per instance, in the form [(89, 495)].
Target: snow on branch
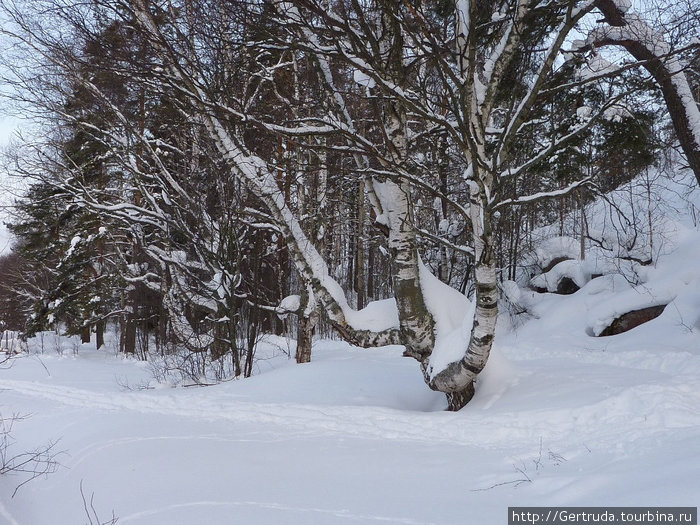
[(535, 197), (467, 250), (559, 143)]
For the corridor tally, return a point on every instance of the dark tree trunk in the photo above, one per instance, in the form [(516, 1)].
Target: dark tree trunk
[(250, 351), (100, 334), (220, 347), (667, 78), (371, 288), (129, 334), (85, 334), (360, 271)]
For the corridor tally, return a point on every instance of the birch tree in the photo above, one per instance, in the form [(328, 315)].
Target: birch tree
[(473, 76), (499, 64)]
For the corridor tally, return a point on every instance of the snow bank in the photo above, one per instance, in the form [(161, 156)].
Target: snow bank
[(551, 248), (670, 241), (454, 316)]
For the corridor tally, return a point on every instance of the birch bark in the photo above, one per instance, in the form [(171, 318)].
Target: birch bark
[(416, 325)]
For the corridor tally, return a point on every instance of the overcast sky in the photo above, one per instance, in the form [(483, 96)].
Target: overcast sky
[(9, 124), (8, 127)]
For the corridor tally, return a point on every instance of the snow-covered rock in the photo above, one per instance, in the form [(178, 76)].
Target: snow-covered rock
[(565, 277)]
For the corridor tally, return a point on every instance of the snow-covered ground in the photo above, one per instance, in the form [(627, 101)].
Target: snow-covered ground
[(355, 436), (560, 417)]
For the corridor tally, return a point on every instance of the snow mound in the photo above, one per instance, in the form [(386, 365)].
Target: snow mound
[(376, 316), (289, 304), (624, 302), (552, 249), (569, 269)]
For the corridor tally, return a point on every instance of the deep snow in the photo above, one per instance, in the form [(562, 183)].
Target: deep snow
[(355, 437), (560, 417)]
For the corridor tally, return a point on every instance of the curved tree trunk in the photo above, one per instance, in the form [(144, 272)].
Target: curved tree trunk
[(415, 321), (458, 400), (457, 380), (655, 55)]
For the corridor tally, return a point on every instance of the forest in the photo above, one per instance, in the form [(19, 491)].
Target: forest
[(348, 261), (208, 172)]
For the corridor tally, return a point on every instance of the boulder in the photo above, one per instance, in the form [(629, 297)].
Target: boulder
[(567, 286), (632, 319)]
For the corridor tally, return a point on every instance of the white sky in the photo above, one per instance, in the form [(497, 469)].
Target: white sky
[(9, 124), (8, 127)]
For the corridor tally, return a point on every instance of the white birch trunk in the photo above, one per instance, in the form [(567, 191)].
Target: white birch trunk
[(457, 379), (415, 321)]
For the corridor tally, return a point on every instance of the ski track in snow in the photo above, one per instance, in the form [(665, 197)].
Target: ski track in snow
[(670, 403), (338, 513), (7, 516)]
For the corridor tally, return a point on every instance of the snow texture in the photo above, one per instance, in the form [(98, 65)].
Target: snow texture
[(553, 248), (623, 5), (363, 79), (597, 66), (560, 417), (376, 316)]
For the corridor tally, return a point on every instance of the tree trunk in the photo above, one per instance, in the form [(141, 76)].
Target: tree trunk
[(443, 168), (85, 334), (304, 339), (128, 336), (458, 400), (320, 204), (250, 350), (360, 284), (235, 350), (371, 287), (305, 331), (100, 334), (645, 45), (582, 238), (221, 346), (457, 379), (415, 321)]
